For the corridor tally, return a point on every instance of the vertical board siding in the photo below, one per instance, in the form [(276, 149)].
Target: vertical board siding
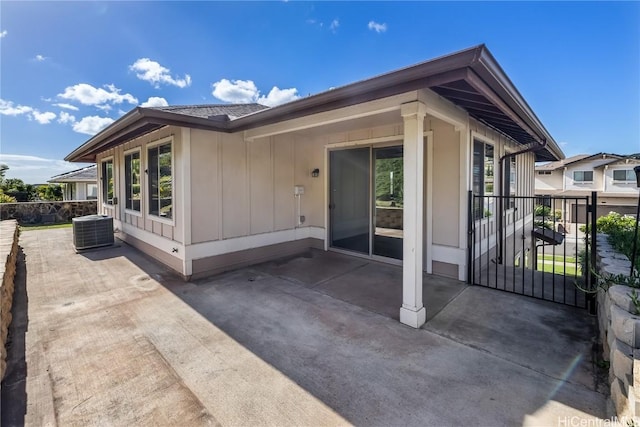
[(205, 188), (446, 182), (235, 206), (261, 192), (283, 182)]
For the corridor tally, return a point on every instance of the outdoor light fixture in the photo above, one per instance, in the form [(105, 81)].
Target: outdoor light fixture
[(635, 231), (316, 173)]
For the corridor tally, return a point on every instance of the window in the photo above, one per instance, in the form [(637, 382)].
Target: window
[(92, 191), (510, 182), (624, 175), (107, 182), (544, 172), (483, 162), (132, 181), (583, 176), (160, 181)]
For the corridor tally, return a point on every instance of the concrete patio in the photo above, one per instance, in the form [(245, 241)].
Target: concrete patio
[(113, 338)]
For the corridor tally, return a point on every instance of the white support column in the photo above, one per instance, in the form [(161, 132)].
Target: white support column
[(412, 312)]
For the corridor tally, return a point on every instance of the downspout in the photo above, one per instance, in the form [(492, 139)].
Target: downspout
[(532, 149)]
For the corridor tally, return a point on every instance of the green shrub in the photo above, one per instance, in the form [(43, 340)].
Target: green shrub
[(542, 210), (5, 198), (620, 230)]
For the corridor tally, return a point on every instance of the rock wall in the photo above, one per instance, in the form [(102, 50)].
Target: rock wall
[(47, 212), (389, 218), (9, 255), (619, 328)]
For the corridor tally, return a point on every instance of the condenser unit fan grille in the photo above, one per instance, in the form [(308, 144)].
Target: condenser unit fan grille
[(92, 231)]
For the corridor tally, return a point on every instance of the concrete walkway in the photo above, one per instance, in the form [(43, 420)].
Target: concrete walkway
[(114, 339)]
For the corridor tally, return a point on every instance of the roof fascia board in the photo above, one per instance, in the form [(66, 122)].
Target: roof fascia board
[(433, 67), (125, 120), (108, 142), (343, 97), (479, 84), (143, 116), (332, 116), (489, 70)]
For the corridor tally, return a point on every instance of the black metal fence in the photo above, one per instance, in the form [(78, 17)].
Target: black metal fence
[(542, 247)]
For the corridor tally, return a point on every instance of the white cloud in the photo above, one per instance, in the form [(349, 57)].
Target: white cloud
[(334, 25), (66, 106), (39, 58), (279, 96), (104, 107), (236, 91), (91, 125), (4, 158), (43, 118), (8, 109), (154, 73), (66, 118), (33, 169), (89, 95), (245, 91), (378, 28), (3, 34), (155, 101)]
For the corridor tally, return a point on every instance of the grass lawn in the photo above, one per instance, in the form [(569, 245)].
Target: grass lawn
[(559, 267), (557, 258), (29, 227)]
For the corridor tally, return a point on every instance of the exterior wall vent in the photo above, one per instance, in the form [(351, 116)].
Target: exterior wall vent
[(92, 231)]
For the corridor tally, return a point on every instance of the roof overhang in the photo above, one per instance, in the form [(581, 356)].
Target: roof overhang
[(471, 79)]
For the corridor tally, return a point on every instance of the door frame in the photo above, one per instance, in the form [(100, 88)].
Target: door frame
[(380, 142)]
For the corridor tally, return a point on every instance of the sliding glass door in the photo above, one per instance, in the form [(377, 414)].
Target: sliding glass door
[(349, 206), (388, 202), (365, 201)]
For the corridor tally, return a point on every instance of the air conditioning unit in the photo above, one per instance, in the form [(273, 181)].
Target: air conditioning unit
[(92, 231)]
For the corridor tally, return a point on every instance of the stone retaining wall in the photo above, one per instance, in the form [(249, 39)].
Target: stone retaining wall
[(9, 255), (389, 218), (47, 212), (619, 332)]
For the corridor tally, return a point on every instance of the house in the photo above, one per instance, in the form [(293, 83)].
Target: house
[(209, 188), (611, 176), (79, 184)]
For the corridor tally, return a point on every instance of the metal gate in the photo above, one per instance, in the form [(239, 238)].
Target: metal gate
[(534, 246)]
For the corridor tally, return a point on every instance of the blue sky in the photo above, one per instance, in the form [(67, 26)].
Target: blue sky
[(70, 68)]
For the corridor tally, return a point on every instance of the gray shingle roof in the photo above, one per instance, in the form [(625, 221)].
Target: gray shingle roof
[(551, 166), (88, 174), (232, 111)]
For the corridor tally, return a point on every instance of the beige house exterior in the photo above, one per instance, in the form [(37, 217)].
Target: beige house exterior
[(245, 184), (79, 184), (611, 176)]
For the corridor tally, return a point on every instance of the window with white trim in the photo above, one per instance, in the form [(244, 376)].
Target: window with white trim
[(483, 165), (160, 181), (544, 172), (132, 181), (624, 175), (92, 191), (583, 176), (107, 182)]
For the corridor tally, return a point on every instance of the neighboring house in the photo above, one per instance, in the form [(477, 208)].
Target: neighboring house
[(79, 184), (209, 188), (611, 176)]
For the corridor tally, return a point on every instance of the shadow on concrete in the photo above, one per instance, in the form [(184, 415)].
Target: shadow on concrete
[(313, 318), (14, 394)]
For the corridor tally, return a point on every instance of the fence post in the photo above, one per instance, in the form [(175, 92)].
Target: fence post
[(469, 236), (593, 256)]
